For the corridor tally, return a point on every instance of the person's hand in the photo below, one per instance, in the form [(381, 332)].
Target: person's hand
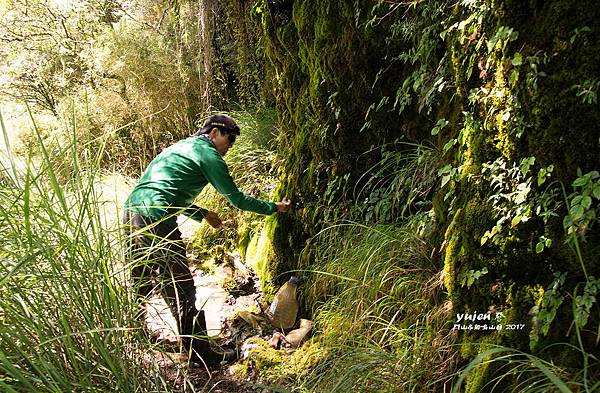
[(213, 220), (284, 205)]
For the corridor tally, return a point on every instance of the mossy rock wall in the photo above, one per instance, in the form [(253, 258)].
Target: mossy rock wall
[(334, 77), (523, 100), (517, 82)]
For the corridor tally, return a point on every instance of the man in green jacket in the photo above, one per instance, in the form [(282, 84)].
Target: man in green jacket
[(168, 188)]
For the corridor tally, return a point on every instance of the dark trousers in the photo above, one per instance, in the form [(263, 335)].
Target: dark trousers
[(157, 256)]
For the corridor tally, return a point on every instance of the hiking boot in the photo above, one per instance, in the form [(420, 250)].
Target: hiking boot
[(199, 347), (211, 358)]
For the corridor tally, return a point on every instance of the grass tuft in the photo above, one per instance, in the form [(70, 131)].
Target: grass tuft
[(66, 314)]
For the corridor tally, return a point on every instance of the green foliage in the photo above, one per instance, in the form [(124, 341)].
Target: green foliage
[(503, 36), (469, 277), (514, 201), (448, 173), (483, 81), (241, 74), (441, 123), (545, 312), (420, 33), (503, 90), (376, 300), (584, 302), (534, 373), (588, 91), (67, 320), (135, 78), (582, 209), (45, 46), (400, 184), (512, 75), (142, 98), (252, 159), (542, 244)]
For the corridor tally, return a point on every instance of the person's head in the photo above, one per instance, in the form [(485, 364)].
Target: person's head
[(221, 130)]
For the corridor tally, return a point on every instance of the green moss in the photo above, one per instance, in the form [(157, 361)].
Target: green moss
[(479, 376), (274, 366), (213, 258), (261, 257), (475, 149), (245, 236), (453, 249), (463, 244), (500, 100), (519, 301)]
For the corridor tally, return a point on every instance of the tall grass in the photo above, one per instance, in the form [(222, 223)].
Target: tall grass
[(252, 158), (401, 183), (376, 294), (525, 372), (378, 303), (66, 317)]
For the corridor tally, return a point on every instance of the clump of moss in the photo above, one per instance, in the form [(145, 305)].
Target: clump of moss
[(229, 285), (274, 366), (245, 234), (214, 258), (261, 257)]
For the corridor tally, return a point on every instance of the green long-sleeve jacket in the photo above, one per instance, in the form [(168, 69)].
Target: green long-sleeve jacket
[(177, 175)]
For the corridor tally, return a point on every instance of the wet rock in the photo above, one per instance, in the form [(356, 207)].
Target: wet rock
[(246, 348), (224, 272), (275, 341), (297, 336)]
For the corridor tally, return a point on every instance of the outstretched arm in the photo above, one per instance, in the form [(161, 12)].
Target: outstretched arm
[(217, 173)]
